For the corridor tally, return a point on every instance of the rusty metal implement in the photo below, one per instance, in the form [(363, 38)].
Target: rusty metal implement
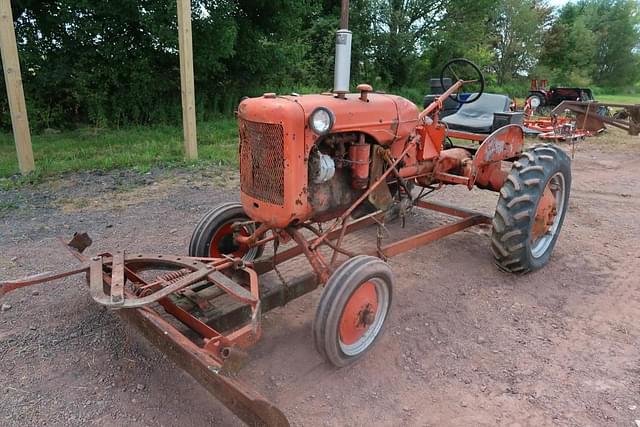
[(141, 288)]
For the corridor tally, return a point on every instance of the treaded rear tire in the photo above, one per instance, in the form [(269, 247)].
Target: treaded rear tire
[(520, 195)]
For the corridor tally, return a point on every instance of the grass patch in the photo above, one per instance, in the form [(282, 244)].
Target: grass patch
[(139, 148), (6, 207), (619, 99)]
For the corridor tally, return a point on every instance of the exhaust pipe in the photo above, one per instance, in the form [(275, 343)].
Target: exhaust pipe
[(342, 70)]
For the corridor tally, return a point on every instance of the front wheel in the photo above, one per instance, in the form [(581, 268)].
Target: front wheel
[(531, 208), (353, 307), (213, 237)]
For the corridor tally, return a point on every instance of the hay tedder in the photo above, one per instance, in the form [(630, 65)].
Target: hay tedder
[(314, 169)]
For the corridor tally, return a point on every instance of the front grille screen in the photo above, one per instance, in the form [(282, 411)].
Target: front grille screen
[(262, 161)]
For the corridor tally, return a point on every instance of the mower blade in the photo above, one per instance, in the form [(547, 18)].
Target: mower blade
[(248, 405)]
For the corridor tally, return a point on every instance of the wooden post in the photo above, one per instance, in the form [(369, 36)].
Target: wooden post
[(15, 92), (344, 15), (186, 79)]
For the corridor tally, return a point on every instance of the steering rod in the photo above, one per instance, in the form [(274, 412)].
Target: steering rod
[(437, 104)]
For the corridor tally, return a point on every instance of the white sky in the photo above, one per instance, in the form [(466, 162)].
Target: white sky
[(558, 2)]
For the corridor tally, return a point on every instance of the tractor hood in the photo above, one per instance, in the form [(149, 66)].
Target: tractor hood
[(385, 118)]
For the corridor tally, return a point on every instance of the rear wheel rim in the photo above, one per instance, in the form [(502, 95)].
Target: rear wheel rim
[(548, 215), (363, 316)]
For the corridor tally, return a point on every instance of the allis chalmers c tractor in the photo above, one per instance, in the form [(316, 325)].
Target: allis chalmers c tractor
[(313, 169)]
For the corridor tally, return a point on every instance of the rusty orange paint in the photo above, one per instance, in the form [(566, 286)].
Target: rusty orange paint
[(411, 142), (387, 119), (359, 155), (358, 313), (545, 214), (223, 238), (486, 169)]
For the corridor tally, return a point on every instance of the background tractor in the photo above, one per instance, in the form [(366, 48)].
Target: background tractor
[(543, 99)]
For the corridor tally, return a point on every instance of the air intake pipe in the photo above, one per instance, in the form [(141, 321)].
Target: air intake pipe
[(342, 71)]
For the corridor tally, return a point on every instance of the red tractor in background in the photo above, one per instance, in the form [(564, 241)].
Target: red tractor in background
[(543, 99)]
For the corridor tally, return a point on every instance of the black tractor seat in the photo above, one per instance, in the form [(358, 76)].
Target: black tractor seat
[(477, 117)]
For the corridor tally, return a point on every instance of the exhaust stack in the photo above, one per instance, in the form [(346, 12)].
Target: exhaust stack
[(342, 71)]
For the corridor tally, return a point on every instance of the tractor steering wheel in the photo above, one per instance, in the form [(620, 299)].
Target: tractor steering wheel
[(466, 66)]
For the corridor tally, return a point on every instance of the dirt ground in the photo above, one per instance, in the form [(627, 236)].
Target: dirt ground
[(465, 345)]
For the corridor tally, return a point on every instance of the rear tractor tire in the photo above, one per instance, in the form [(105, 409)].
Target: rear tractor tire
[(353, 308), (213, 235), (531, 208)]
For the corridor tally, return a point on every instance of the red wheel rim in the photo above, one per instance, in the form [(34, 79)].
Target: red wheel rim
[(545, 214), (359, 313), (223, 243)]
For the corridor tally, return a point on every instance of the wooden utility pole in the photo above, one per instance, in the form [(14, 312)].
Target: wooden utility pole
[(15, 92), (186, 79)]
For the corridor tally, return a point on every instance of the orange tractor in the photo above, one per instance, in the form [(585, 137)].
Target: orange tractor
[(313, 169)]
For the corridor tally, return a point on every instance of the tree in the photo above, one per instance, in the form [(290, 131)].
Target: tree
[(616, 26), (401, 31), (519, 28), (467, 30), (594, 40)]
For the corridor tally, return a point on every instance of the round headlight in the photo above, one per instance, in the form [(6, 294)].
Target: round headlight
[(534, 101), (321, 120)]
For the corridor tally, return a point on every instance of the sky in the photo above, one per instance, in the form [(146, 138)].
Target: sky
[(558, 2)]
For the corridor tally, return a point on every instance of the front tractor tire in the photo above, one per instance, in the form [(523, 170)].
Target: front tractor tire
[(353, 308), (213, 236), (531, 208)]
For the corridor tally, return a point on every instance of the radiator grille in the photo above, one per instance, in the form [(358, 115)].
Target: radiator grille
[(262, 161)]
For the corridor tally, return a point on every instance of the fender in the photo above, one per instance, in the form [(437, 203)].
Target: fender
[(486, 168)]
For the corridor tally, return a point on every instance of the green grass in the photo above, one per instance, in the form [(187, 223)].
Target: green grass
[(138, 148), (619, 99)]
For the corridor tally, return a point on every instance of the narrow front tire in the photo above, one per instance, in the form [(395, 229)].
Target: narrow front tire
[(213, 236), (353, 308)]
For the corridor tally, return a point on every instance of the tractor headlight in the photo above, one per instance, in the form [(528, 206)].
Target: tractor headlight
[(321, 120), (534, 101)]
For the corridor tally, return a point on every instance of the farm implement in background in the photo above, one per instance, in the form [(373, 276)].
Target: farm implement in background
[(589, 116)]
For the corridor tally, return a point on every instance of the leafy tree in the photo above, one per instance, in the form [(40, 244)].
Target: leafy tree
[(467, 30), (595, 40), (115, 62), (400, 31), (519, 29)]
